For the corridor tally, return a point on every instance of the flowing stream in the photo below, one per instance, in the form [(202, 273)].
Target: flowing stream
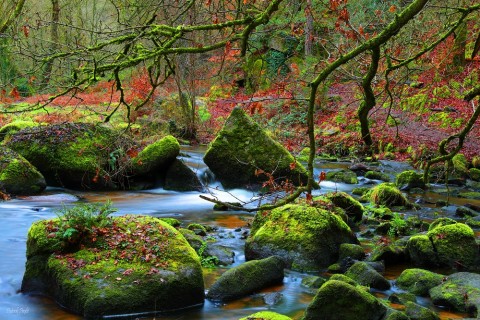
[(17, 215)]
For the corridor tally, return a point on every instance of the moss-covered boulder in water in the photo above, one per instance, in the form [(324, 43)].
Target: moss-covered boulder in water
[(307, 238), (266, 315), (18, 176), (338, 300), (87, 156), (460, 166), (418, 281), (242, 150), (345, 176), (366, 275), (451, 245), (386, 194), (352, 207), (416, 311), (157, 156), (250, 277), (460, 292), (409, 179), (135, 264)]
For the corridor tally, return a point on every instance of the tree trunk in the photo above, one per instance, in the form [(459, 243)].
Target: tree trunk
[(309, 29), (460, 44), (47, 69)]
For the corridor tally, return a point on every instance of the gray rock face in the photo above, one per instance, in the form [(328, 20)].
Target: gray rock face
[(247, 278), (242, 151)]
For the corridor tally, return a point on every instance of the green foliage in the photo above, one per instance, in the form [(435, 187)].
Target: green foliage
[(416, 103), (442, 92), (203, 113), (82, 219), (397, 225)]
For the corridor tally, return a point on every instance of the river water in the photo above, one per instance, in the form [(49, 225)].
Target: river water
[(17, 215)]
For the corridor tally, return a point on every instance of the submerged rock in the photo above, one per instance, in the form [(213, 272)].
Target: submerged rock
[(131, 264), (18, 176), (338, 300), (243, 155), (306, 238), (250, 277)]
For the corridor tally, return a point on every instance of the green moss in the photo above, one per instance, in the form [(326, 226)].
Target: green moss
[(243, 154), (343, 278), (441, 222), (470, 195), (474, 174), (18, 176), (113, 274), (375, 175), (307, 237), (360, 191), (409, 179), (156, 155), (345, 302), (460, 164), (352, 207), (266, 315), (387, 195), (171, 221), (418, 281), (345, 176), (15, 126)]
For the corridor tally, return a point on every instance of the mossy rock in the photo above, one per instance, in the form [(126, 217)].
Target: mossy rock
[(418, 281), (338, 300), (376, 175), (451, 245), (409, 179), (14, 127), (416, 311), (366, 275), (18, 176), (351, 250), (180, 177), (313, 282), (345, 176), (476, 162), (460, 165), (266, 315), (242, 150), (386, 194), (87, 156), (391, 254), (360, 191), (352, 207), (111, 274), (156, 156), (247, 278), (470, 195), (307, 238), (459, 292), (474, 174)]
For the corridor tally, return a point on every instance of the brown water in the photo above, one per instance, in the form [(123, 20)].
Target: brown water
[(17, 215)]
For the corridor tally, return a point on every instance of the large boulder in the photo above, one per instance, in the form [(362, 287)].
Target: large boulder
[(128, 264), (352, 207), (18, 176), (243, 155), (266, 315), (338, 300), (409, 179), (180, 177), (460, 292), (87, 156), (250, 277), (307, 238), (449, 245)]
